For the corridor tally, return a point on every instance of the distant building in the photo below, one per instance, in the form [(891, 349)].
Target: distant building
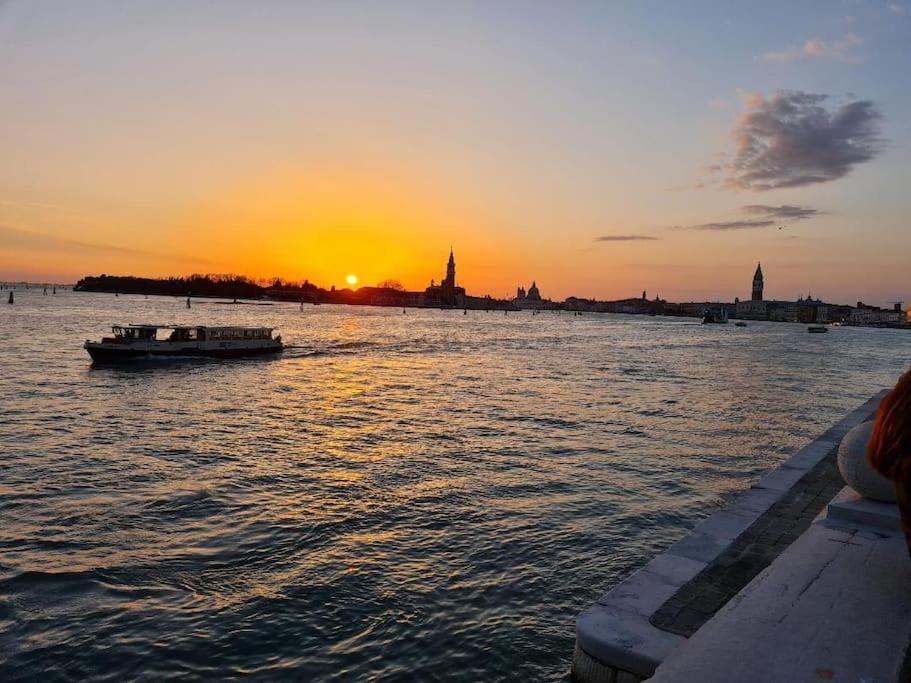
[(807, 310), (755, 308), (447, 293), (531, 298), (758, 283), (800, 311), (864, 314), (752, 310)]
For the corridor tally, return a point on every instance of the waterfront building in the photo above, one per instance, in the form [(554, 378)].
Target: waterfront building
[(756, 308), (864, 314), (801, 311), (447, 293), (531, 298), (752, 310)]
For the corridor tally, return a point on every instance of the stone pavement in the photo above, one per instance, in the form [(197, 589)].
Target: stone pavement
[(751, 552), (834, 607)]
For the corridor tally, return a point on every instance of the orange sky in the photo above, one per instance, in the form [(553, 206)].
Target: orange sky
[(294, 143)]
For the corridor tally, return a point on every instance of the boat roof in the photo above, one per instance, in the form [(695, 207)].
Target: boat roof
[(149, 326)]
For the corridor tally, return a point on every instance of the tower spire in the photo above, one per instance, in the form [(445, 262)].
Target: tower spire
[(758, 283), (450, 270)]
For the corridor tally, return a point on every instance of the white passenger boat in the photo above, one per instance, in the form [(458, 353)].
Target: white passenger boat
[(137, 342)]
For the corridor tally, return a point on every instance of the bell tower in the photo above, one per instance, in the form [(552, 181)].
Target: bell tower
[(757, 283), (450, 270)]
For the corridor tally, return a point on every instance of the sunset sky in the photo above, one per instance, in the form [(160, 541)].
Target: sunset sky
[(599, 148)]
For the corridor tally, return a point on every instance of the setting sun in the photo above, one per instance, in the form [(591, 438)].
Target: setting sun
[(351, 280)]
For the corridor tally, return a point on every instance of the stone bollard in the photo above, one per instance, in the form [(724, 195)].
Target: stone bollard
[(856, 469)]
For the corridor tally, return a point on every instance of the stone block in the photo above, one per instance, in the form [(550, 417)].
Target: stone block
[(675, 569), (725, 524), (781, 479), (623, 641), (699, 547), (755, 501), (849, 508), (587, 668), (810, 455), (642, 593)]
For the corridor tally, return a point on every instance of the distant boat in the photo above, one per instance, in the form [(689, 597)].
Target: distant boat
[(740, 323), (817, 329), (715, 316), (138, 342)]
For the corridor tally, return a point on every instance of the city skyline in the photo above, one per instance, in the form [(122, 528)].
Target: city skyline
[(166, 139)]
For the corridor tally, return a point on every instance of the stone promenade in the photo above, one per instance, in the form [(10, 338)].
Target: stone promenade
[(751, 552)]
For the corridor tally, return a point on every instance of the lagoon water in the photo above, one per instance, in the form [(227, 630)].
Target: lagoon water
[(426, 496)]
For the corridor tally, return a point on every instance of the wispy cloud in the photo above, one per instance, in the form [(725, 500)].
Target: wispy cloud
[(793, 139), (723, 226), (896, 8), (625, 238), (768, 215), (839, 50), (783, 212)]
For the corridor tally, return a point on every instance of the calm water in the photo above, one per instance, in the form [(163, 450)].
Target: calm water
[(428, 495)]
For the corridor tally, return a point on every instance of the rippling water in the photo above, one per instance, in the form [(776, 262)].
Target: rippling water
[(429, 495)]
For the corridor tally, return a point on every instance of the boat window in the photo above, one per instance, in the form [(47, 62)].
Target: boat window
[(180, 334)]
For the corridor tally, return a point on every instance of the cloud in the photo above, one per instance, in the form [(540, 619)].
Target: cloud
[(767, 217), (625, 238), (729, 225), (793, 139), (783, 212), (839, 50), (896, 8)]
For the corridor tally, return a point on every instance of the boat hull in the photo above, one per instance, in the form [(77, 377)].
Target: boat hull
[(113, 353)]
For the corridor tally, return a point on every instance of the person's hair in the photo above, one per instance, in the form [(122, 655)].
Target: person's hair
[(890, 442)]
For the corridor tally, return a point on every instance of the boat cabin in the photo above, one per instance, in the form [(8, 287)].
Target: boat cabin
[(185, 333)]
